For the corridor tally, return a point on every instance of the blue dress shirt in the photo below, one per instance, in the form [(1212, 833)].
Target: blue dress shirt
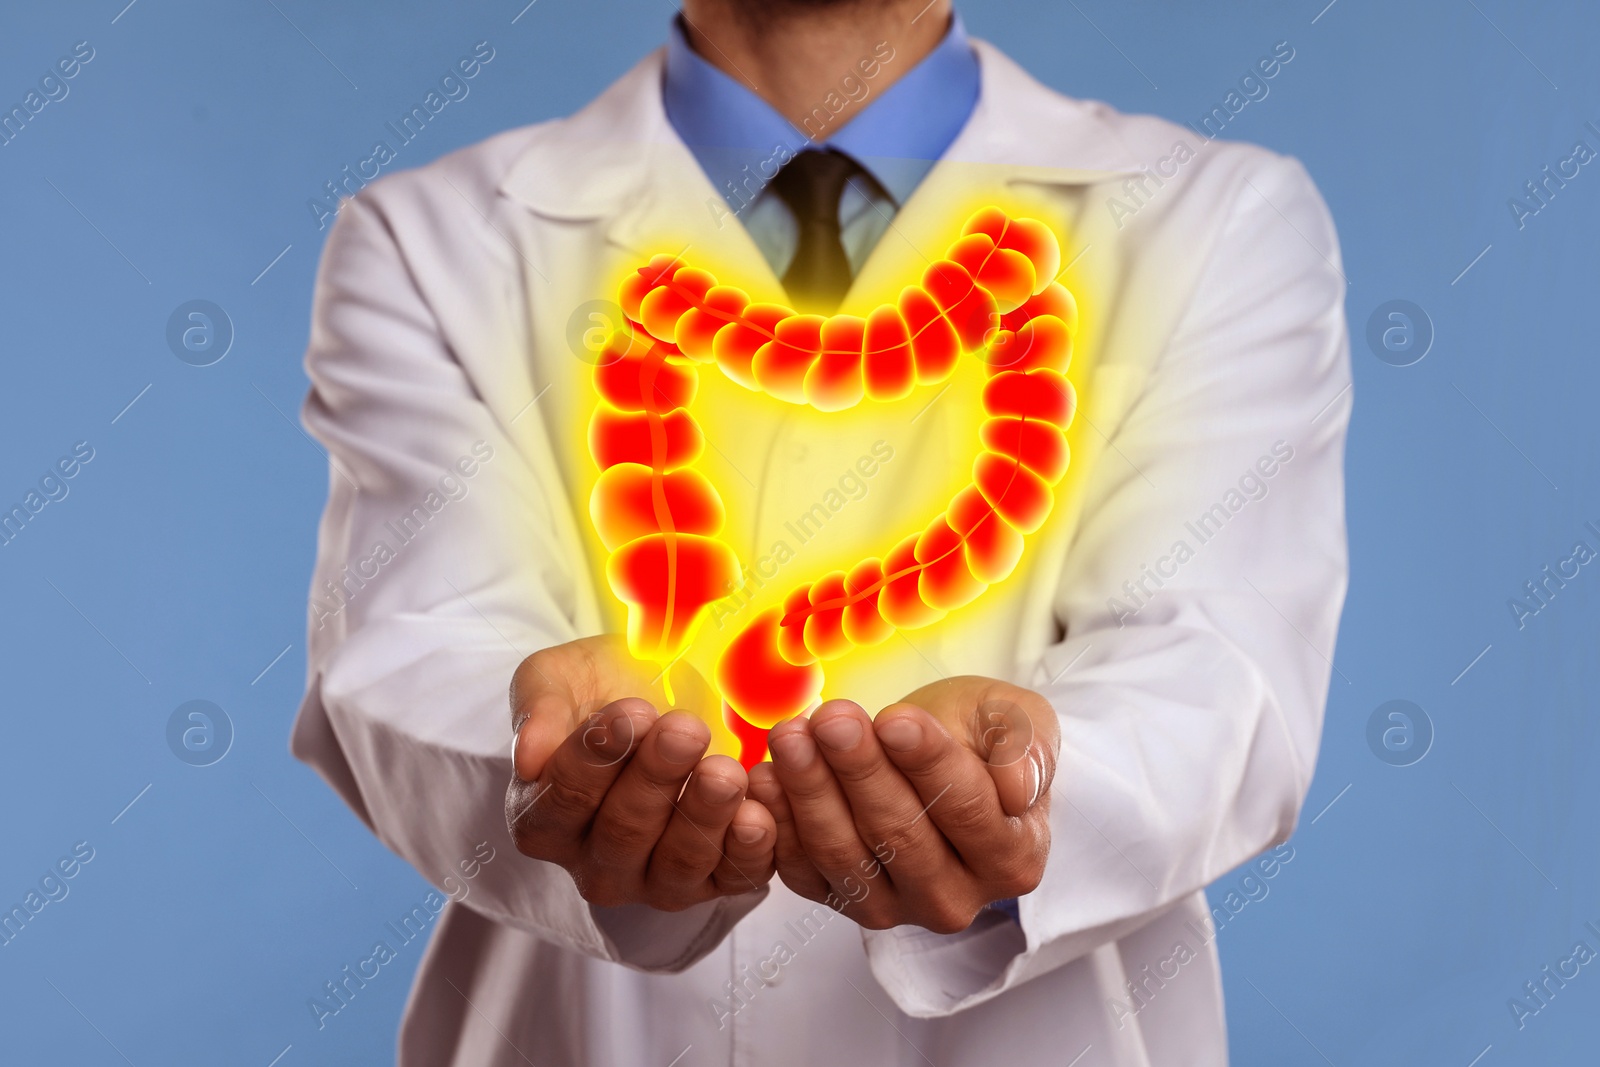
[(740, 140)]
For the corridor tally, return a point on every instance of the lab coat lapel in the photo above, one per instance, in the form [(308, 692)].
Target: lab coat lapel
[(586, 199), (619, 164), (1018, 135)]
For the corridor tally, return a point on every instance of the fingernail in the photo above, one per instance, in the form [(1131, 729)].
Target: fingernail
[(717, 790), (618, 724), (840, 734), (748, 835), (1034, 779), (902, 734), (516, 762), (676, 746), (793, 750)]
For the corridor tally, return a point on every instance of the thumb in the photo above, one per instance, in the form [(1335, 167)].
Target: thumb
[(1014, 755), (540, 731)]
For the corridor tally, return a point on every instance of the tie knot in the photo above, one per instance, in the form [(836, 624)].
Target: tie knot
[(812, 182)]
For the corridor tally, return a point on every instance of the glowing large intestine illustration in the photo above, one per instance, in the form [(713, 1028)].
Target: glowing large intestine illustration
[(993, 296)]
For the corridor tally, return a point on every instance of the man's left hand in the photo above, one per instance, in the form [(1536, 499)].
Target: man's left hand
[(926, 815)]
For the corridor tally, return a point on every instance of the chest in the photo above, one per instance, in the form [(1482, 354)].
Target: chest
[(807, 493)]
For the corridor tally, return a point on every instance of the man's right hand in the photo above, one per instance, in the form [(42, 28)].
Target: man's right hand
[(618, 794)]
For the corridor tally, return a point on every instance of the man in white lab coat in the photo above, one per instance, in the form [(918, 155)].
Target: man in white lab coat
[(939, 885)]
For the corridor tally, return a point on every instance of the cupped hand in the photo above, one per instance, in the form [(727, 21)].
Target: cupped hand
[(617, 793), (925, 815)]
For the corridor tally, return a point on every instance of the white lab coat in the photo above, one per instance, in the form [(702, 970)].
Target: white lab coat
[(1190, 704)]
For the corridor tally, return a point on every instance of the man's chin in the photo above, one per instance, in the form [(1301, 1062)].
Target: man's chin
[(767, 11)]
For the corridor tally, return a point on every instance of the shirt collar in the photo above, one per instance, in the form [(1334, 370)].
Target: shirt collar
[(739, 139)]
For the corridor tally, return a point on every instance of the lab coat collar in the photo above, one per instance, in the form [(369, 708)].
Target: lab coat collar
[(1041, 136), (600, 160), (619, 161)]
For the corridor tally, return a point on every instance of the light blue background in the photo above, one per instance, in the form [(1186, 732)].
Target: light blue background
[(217, 904)]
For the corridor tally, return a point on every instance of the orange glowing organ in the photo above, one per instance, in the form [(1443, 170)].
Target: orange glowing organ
[(656, 515), (993, 295)]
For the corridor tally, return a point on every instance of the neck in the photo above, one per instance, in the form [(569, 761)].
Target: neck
[(817, 64)]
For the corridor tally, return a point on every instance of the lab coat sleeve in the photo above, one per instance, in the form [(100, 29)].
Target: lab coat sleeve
[(1191, 698), (439, 569)]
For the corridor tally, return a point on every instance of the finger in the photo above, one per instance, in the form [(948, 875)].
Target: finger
[(544, 707), (890, 816), (691, 845), (826, 826), (747, 849), (788, 855), (1019, 743), (552, 814), (639, 805), (952, 781), (542, 720)]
